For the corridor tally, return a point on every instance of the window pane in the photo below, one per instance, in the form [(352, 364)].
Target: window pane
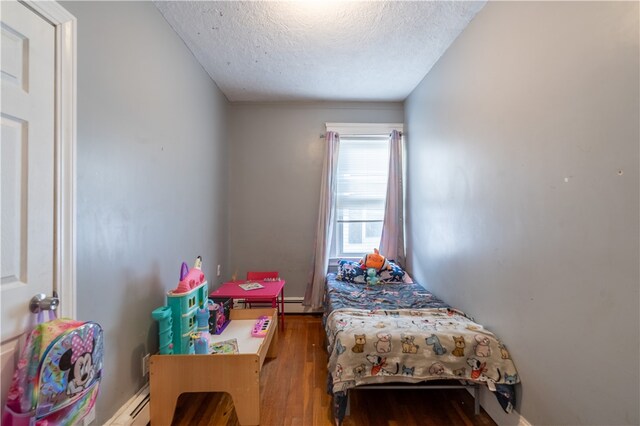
[(360, 238), (363, 167), (373, 229), (355, 233)]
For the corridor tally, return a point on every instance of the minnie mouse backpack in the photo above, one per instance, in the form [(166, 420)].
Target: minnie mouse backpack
[(57, 378)]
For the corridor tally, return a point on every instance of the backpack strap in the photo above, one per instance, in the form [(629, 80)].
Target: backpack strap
[(40, 316)]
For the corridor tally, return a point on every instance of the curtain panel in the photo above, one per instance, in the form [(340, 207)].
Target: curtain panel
[(392, 240), (324, 232)]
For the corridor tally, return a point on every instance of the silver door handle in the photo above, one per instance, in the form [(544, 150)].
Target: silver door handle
[(40, 302)]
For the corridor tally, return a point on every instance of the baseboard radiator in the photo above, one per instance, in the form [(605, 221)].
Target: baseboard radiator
[(135, 412), (292, 305)]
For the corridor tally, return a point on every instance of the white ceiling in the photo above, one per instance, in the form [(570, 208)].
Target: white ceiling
[(318, 50)]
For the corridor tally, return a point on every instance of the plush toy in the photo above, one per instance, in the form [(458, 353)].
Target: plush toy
[(374, 260), (372, 277), (190, 278)]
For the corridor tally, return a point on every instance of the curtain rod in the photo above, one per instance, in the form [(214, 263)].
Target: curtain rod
[(322, 135)]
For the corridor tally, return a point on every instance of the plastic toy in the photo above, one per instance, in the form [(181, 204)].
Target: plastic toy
[(202, 317), (182, 304), (261, 326), (163, 316), (222, 317), (190, 279), (200, 343), (374, 260), (203, 337), (214, 309)]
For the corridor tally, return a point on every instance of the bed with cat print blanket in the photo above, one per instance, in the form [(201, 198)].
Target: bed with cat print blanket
[(402, 333)]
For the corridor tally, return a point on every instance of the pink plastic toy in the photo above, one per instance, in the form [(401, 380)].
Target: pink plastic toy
[(261, 326), (190, 278)]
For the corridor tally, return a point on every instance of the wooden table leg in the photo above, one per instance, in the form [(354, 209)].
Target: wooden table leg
[(273, 347), (282, 308), (247, 404), (162, 404)]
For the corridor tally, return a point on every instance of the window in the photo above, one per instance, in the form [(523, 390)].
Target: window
[(362, 171)]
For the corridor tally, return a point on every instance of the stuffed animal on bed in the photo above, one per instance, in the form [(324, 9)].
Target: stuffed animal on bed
[(372, 277), (375, 260)]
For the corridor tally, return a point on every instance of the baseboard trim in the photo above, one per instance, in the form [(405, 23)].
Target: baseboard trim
[(292, 305), (134, 412)]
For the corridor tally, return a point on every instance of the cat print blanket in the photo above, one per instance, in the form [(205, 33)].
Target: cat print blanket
[(412, 345)]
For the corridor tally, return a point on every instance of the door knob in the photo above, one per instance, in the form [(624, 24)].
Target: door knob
[(41, 302)]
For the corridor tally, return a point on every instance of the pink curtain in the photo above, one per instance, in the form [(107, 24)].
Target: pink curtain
[(324, 232), (392, 240)]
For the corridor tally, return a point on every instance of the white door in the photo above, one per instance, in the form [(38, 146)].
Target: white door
[(27, 172)]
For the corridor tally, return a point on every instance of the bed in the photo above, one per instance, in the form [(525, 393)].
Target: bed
[(400, 333)]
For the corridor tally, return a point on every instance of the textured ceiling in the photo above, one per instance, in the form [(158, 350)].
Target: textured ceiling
[(318, 50)]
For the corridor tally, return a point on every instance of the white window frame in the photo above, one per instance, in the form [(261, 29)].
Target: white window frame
[(357, 129)]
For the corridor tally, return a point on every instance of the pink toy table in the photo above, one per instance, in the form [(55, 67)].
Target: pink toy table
[(273, 290)]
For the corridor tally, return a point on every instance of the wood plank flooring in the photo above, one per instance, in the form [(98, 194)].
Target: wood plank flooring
[(292, 393)]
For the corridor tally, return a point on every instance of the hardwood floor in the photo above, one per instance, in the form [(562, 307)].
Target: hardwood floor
[(293, 393)]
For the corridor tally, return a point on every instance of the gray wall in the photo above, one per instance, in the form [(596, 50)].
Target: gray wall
[(517, 212), (275, 169), (152, 178)]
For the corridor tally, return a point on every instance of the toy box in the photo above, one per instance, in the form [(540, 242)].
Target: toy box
[(222, 319)]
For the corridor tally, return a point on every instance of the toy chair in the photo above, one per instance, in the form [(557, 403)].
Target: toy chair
[(253, 275), (258, 276)]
